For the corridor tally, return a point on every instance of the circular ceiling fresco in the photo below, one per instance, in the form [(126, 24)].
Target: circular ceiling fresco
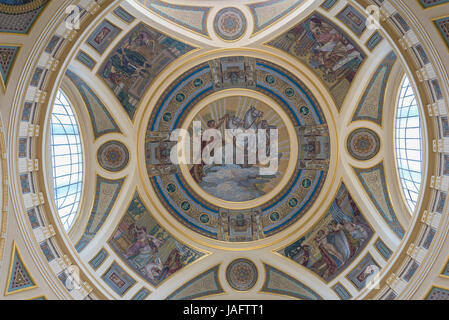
[(237, 149), (223, 160)]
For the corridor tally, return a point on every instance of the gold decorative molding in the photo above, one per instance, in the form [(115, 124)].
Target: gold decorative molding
[(23, 8)]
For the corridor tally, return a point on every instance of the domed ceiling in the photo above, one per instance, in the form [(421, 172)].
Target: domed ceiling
[(171, 97)]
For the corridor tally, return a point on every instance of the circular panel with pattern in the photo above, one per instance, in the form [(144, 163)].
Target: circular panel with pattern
[(230, 24), (363, 144), (113, 156), (241, 274)]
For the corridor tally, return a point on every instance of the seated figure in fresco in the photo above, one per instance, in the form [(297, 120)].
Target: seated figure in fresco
[(357, 231), (339, 238), (141, 241), (346, 214), (333, 53), (328, 252)]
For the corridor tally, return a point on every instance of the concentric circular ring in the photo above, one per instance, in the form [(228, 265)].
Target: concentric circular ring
[(242, 274), (113, 156), (230, 24), (246, 92), (363, 144)]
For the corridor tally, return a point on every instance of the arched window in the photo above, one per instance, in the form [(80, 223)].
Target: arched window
[(409, 143), (67, 159)]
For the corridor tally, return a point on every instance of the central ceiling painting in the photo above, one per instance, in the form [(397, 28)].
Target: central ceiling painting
[(229, 193), (237, 179)]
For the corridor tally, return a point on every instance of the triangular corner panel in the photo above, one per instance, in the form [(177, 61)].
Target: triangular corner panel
[(19, 279), (8, 54)]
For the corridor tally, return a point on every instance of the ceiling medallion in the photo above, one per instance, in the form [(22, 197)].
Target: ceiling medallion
[(230, 24), (237, 149), (238, 182), (242, 274), (113, 156), (363, 144)]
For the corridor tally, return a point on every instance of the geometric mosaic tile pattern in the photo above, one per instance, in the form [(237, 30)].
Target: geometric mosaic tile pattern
[(241, 274), (432, 3), (7, 56), (443, 26), (19, 278), (193, 18), (230, 24), (18, 17), (113, 156), (267, 12), (205, 284), (373, 180), (280, 283), (101, 119), (363, 144), (105, 196), (438, 294), (372, 103)]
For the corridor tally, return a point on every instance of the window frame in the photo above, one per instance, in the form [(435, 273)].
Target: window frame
[(399, 160), (67, 220)]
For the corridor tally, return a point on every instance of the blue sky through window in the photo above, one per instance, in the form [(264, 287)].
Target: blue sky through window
[(409, 143), (67, 160)]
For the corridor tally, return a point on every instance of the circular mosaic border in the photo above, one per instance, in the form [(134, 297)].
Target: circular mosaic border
[(363, 144), (242, 274), (113, 156), (290, 204), (230, 24), (22, 8)]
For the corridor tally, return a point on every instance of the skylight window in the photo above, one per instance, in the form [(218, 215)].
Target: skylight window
[(409, 144), (67, 160)]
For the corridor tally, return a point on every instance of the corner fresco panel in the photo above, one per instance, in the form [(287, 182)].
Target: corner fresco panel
[(334, 242), (147, 248), (136, 61), (327, 50)]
